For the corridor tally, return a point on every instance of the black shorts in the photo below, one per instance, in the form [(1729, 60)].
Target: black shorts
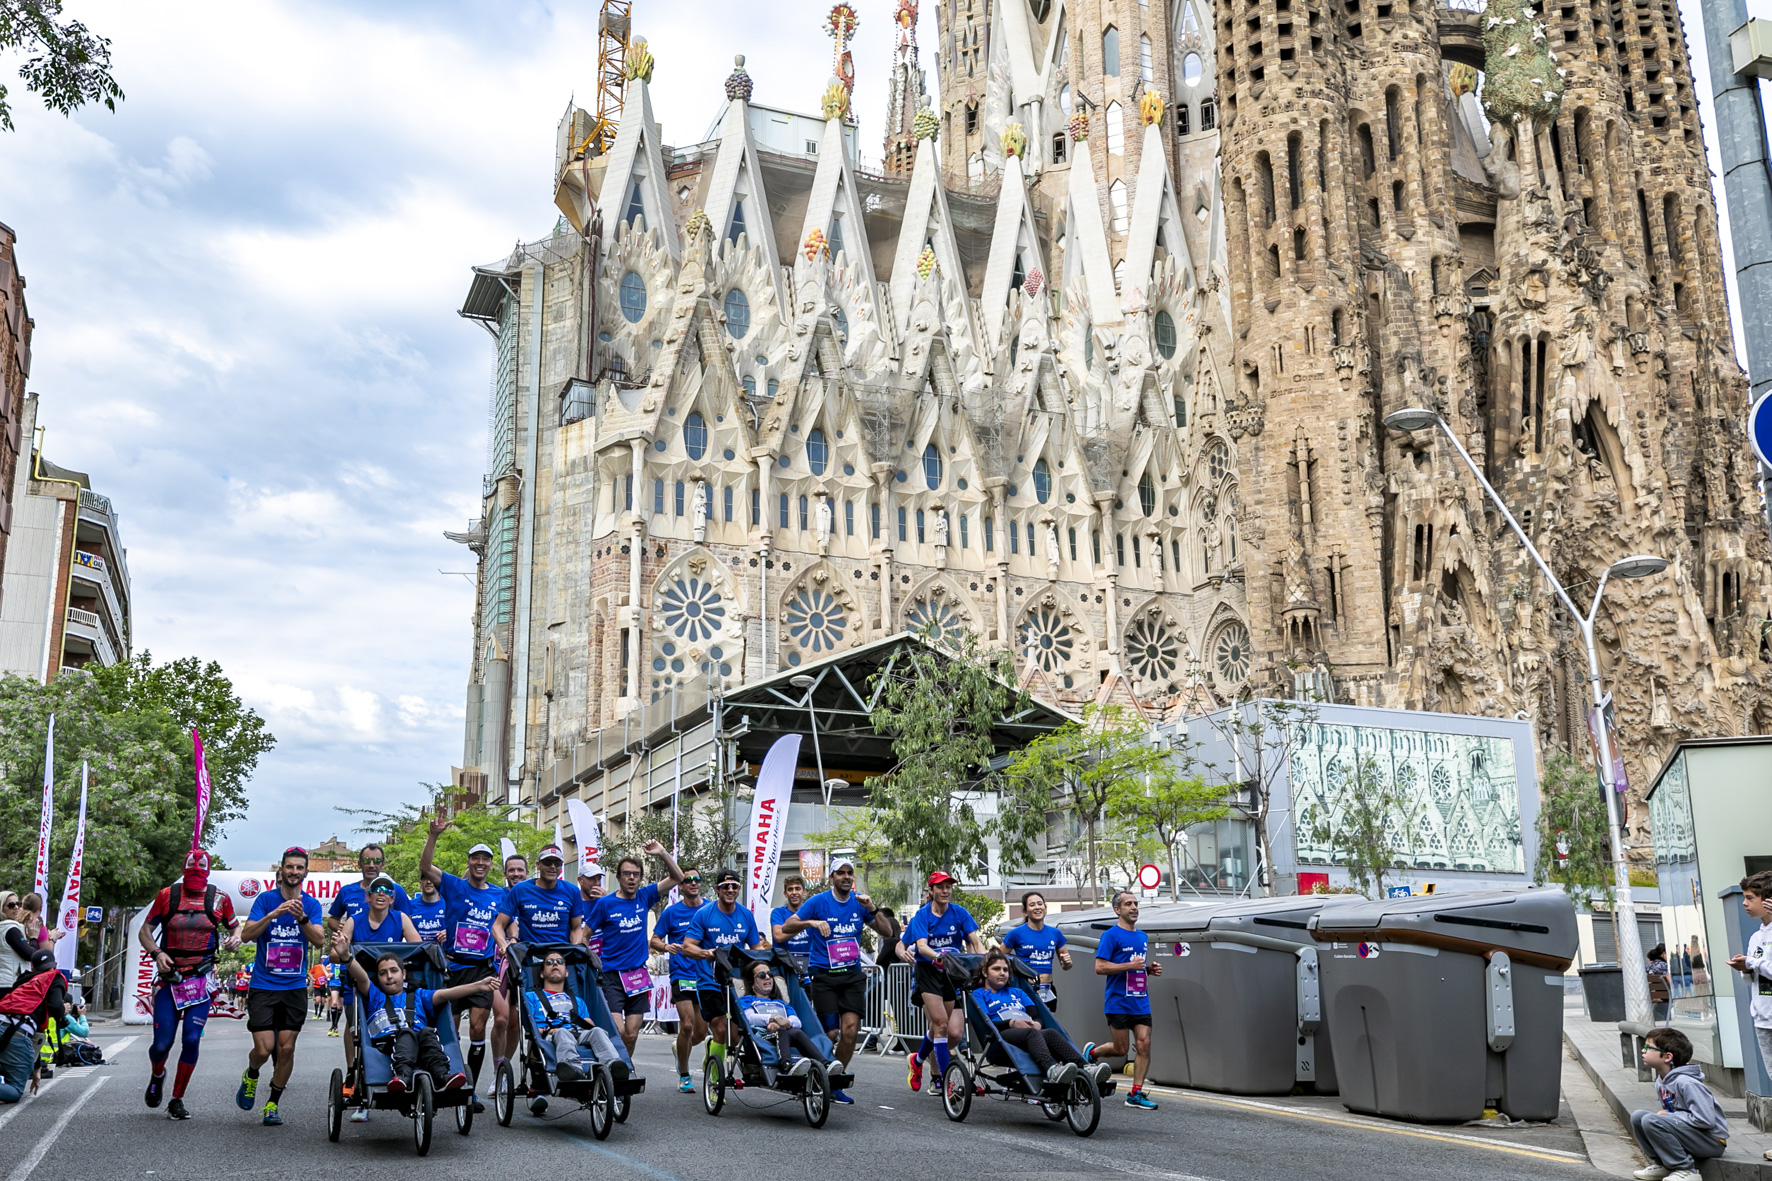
[(472, 973), (1127, 1020), (931, 978), (839, 992), (620, 1003), (682, 990), (711, 1002), (276, 1009)]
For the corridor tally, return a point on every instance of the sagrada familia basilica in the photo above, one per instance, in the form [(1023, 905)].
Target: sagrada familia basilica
[(1093, 362)]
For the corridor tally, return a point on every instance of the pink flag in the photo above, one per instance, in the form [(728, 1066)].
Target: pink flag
[(202, 790), (46, 819)]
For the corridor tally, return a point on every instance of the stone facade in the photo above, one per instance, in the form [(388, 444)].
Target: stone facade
[(1103, 381), (15, 368)]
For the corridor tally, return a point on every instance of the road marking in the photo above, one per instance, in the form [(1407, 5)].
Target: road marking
[(75, 1072), (45, 1143), (623, 1157), (1093, 1159), (1552, 1154)]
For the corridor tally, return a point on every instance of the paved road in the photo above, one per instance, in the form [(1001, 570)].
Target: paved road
[(91, 1123)]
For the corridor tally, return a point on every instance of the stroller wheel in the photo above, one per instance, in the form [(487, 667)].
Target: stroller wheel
[(601, 1101), (713, 1085), (504, 1095)]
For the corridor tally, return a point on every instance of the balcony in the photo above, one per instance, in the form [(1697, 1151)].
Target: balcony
[(90, 561), (91, 569), (85, 638)]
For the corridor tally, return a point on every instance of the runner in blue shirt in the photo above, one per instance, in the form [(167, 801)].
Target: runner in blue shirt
[(430, 914), (1126, 1000), (1012, 1011), (543, 909), (937, 928), (832, 921), (798, 945), (335, 1002), (1038, 945), (350, 902), (283, 923), (720, 923), (618, 922), (667, 936), (380, 922), (473, 904)]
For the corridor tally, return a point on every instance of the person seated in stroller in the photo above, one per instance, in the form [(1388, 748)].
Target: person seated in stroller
[(1010, 1011), (769, 1019), (401, 1023), (565, 1020)]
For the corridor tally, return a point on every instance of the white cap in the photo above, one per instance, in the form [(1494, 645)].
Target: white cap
[(842, 863)]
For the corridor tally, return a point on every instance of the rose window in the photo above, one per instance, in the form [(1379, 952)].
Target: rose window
[(816, 621), (1153, 650), (692, 610), (936, 621), (1047, 639), (1231, 655)]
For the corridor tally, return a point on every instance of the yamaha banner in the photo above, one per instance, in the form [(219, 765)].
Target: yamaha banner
[(769, 818)]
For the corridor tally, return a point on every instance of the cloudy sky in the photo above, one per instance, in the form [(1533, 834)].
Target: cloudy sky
[(244, 284)]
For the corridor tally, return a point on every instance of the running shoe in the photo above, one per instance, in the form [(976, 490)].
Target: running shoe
[(272, 1119), (360, 1115), (1089, 1052), (838, 1096), (152, 1096), (455, 1082), (686, 1084), (475, 1102), (915, 1075), (247, 1094), (1139, 1099), (396, 1086), (538, 1105), (176, 1109), (935, 1086)]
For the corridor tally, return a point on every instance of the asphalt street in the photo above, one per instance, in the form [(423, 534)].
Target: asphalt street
[(91, 1124)]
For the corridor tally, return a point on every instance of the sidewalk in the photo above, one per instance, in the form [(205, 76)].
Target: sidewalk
[(1596, 1048)]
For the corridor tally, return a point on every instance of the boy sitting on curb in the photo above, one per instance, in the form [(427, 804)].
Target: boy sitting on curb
[(1690, 1125)]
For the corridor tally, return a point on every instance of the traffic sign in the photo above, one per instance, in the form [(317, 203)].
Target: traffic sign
[(1149, 876), (95, 914), (1397, 891), (1759, 428)]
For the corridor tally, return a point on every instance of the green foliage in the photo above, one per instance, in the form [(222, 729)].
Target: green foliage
[(940, 707), (706, 836), (131, 725), (1166, 804), (65, 63), (861, 834), (1572, 812), (1368, 809), (1260, 732), (985, 910), (402, 836)]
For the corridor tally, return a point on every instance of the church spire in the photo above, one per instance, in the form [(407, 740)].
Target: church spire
[(908, 94)]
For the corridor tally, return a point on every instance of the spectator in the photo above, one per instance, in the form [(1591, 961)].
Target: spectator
[(15, 943), (1690, 1127), (1659, 983)]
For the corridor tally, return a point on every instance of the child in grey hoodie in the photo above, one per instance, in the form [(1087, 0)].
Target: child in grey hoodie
[(1690, 1125)]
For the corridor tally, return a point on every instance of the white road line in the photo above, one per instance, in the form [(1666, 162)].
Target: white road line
[(45, 1143), (1092, 1159), (78, 1072)]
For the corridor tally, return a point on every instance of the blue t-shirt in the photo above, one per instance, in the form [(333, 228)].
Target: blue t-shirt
[(354, 900), (712, 929), (281, 961), (799, 945), (430, 919), (544, 915), (1012, 1004), (1038, 948), (621, 924), (846, 918), (469, 914), (1126, 992), (945, 932), (391, 930), (672, 925), (424, 1009)]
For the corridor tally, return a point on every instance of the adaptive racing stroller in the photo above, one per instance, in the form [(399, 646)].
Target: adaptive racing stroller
[(1006, 1072), (425, 968), (753, 1061), (605, 1088)]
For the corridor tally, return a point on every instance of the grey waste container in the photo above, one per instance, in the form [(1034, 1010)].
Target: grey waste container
[(1603, 986), (1441, 1004), (1240, 1007), (1080, 990)]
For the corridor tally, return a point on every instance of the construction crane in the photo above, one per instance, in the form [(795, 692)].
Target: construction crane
[(614, 25)]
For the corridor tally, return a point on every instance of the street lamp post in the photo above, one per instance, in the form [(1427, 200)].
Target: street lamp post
[(1624, 913)]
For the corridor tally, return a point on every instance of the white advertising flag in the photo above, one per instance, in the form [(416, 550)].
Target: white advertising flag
[(507, 849), (67, 948), (585, 832), (46, 818), (769, 817)]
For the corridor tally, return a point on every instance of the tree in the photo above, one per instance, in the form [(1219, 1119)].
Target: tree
[(940, 708), (1574, 837), (402, 835), (1076, 767), (1369, 810), (1125, 847), (703, 835), (862, 836), (1261, 733), (1167, 804), (66, 64)]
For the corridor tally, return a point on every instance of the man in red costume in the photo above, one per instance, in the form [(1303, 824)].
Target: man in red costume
[(186, 924)]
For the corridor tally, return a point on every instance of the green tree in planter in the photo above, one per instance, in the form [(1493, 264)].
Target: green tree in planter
[(1574, 840)]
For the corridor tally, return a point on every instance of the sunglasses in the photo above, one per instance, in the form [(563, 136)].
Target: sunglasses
[(381, 890), (372, 861), (556, 962), (727, 886), (14, 905), (695, 880)]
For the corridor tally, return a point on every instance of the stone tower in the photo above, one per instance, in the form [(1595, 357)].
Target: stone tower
[(907, 93)]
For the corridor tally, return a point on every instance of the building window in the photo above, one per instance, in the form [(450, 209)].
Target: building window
[(728, 500), (1014, 539), (1110, 52), (990, 536), (1119, 549), (636, 215), (919, 526), (658, 498), (1030, 539), (1042, 481), (633, 296), (1175, 552), (1147, 494), (874, 515), (736, 226), (1208, 114), (835, 242), (1116, 129), (1072, 535), (1164, 329), (756, 508), (1180, 410), (1146, 70), (1095, 545), (784, 510), (750, 385), (1181, 119), (677, 498), (848, 518), (738, 316), (932, 467), (971, 120), (1117, 203), (1192, 70), (1137, 552), (695, 435), (965, 540), (818, 452), (804, 516), (627, 501), (902, 515)]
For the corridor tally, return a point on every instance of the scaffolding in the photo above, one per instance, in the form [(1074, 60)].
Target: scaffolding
[(614, 24)]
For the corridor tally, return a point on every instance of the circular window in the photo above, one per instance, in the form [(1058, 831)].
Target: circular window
[(1218, 460), (818, 452), (1154, 651), (936, 621), (738, 314), (932, 467), (633, 297), (1042, 481), (1047, 639), (693, 610), (1231, 655), (1165, 334), (1191, 69), (695, 435), (816, 621)]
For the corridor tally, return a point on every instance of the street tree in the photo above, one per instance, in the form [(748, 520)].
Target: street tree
[(862, 836), (66, 64), (940, 707), (1166, 804), (1574, 841), (1260, 733), (703, 835), (402, 834)]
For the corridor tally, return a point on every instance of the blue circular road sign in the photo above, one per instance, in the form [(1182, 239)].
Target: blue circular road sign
[(1759, 427)]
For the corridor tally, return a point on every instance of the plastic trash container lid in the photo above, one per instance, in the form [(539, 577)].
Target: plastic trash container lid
[(1532, 926), (1286, 918), (1152, 916)]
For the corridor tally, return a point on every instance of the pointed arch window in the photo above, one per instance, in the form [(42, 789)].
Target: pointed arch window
[(1042, 481), (736, 226), (1146, 70), (1116, 129), (1117, 204), (633, 297), (695, 435), (835, 242), (1110, 52), (932, 467), (636, 214), (1147, 495), (738, 313), (818, 452)]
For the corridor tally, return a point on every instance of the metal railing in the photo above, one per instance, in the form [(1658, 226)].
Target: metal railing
[(892, 1014)]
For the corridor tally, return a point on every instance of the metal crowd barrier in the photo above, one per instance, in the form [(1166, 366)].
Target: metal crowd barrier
[(893, 1016)]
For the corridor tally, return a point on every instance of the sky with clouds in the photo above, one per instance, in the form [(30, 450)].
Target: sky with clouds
[(244, 284)]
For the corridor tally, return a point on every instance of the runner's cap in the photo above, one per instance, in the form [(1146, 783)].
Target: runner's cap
[(593, 870), (550, 853), (482, 848), (842, 863), (382, 879), (728, 875), (940, 876)]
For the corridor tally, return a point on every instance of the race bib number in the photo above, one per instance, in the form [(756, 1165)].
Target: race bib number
[(283, 957), (843, 953), (595, 945), (1048, 994), (1135, 982), (1013, 1013), (379, 1025), (472, 940), (194, 991), (635, 981)]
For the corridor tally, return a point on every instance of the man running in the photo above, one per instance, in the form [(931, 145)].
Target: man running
[(939, 927), (317, 985), (667, 936), (429, 913), (350, 902), (283, 923), (799, 944), (618, 922), (335, 982), (192, 920), (1038, 945), (1126, 1000), (833, 920), (720, 923), (516, 870), (473, 904), (543, 909)]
